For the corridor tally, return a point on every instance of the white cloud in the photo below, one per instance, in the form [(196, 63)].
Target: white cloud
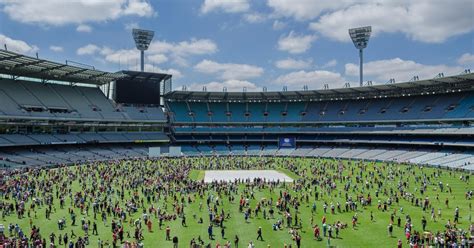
[(185, 48), (230, 85), (422, 20), (157, 58), (255, 17), (138, 7), (401, 70), (88, 49), (228, 71), (131, 25), (293, 64), (158, 52), (176, 73), (84, 28), (60, 12), (313, 79), (466, 59), (294, 43), (152, 68), (228, 6), (17, 45), (181, 50), (278, 25), (122, 56), (330, 63), (56, 48), (304, 9)]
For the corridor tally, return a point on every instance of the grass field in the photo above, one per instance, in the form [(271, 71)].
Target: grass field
[(105, 183), (197, 175)]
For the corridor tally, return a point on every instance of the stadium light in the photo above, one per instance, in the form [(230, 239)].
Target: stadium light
[(142, 39), (439, 75), (414, 78), (360, 38)]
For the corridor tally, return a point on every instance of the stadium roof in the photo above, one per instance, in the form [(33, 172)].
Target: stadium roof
[(15, 64), (462, 82), (146, 76)]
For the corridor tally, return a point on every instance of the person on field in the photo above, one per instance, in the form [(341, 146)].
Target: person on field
[(259, 234), (175, 242), (168, 233)]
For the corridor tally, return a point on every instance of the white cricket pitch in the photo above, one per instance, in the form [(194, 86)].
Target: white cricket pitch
[(231, 175)]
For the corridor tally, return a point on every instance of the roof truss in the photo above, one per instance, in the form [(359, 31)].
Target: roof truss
[(462, 82), (18, 65)]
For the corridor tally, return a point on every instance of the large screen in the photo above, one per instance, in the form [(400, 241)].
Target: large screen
[(137, 92), (287, 142)]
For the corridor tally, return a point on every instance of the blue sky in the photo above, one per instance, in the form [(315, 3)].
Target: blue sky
[(245, 43)]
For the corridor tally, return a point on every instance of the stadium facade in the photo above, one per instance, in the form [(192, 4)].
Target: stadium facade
[(53, 114)]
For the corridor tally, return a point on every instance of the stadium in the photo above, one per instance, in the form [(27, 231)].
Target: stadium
[(101, 158), (424, 122)]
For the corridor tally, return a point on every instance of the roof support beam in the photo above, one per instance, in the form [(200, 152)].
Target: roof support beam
[(74, 72), (29, 63), (52, 68), (12, 63), (93, 77), (11, 57), (40, 72)]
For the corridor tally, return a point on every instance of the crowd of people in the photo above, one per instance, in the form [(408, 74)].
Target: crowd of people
[(140, 201)]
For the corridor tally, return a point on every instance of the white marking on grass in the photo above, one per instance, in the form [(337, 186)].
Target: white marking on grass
[(231, 175)]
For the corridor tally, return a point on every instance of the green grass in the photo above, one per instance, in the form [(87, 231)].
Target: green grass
[(289, 173), (367, 234), (197, 175)]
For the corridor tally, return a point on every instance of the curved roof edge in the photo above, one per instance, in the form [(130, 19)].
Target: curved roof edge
[(19, 65), (456, 83)]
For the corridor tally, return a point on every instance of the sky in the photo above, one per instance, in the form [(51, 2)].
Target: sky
[(249, 44)]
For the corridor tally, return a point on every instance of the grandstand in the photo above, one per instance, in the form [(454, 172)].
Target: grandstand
[(422, 122), (53, 114)]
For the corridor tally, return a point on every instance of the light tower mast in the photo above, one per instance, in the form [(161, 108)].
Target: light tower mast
[(360, 38), (142, 41)]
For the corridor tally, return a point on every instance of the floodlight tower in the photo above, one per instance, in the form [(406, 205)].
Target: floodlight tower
[(142, 41), (360, 37)]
